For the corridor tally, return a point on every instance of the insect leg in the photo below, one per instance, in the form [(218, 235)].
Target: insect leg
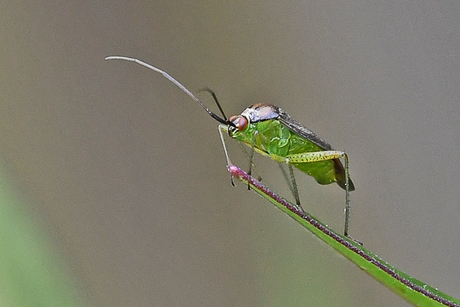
[(314, 156), (287, 178), (224, 128), (323, 156), (295, 190), (251, 157), (347, 196)]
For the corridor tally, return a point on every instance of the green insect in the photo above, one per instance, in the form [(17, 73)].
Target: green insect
[(270, 131)]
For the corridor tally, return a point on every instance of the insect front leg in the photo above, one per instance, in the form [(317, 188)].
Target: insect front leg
[(222, 128), (250, 155)]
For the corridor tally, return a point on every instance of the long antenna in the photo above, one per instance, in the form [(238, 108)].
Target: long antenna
[(167, 76)]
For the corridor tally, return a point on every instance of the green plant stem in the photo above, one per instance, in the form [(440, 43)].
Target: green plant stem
[(409, 288)]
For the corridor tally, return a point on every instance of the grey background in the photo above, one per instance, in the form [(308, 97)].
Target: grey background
[(128, 176)]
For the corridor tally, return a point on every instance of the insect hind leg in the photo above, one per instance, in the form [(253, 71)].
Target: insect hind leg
[(295, 190), (323, 156)]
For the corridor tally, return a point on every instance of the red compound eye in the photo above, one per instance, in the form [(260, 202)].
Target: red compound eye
[(242, 123)]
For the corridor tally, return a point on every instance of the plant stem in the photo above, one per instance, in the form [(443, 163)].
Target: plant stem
[(409, 288)]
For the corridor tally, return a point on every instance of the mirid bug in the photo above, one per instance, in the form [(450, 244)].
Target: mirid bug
[(270, 131)]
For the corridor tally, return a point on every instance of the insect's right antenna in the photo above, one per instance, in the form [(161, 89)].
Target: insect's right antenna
[(167, 76), (213, 94)]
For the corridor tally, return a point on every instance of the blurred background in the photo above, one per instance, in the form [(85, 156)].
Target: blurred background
[(122, 177)]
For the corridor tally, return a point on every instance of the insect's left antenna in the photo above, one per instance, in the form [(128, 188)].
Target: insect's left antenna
[(167, 76)]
